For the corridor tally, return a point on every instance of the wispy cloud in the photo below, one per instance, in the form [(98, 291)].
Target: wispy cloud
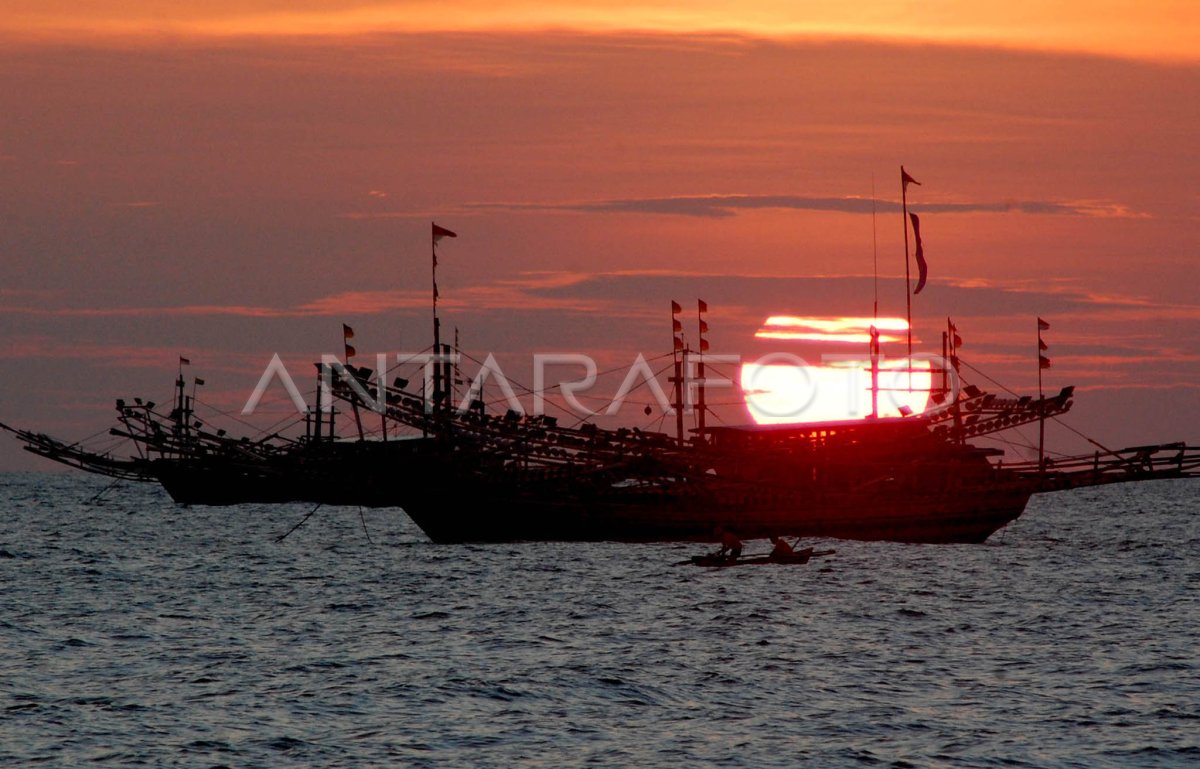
[(729, 205)]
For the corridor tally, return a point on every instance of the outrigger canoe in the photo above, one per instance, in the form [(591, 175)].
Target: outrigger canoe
[(721, 561)]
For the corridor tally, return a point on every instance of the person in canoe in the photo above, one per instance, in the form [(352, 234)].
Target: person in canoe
[(781, 550), (731, 546)]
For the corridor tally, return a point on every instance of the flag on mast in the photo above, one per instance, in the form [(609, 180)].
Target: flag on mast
[(1043, 325), (441, 232), (347, 332), (1043, 361), (922, 267), (905, 180)]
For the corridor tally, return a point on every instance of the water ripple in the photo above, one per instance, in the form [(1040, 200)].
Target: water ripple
[(134, 633)]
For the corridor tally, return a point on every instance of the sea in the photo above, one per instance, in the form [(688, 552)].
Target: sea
[(134, 632)]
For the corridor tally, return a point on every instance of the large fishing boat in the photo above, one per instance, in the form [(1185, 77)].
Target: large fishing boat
[(464, 474)]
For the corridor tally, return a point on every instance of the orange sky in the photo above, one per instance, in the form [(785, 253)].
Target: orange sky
[(1156, 29), (229, 198)]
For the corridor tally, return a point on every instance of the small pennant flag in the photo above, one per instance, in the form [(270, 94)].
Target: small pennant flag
[(922, 267), (199, 382), (703, 327), (184, 361), (703, 345), (906, 180), (677, 325), (1043, 361), (1043, 325), (957, 341), (1042, 345), (347, 332), (678, 343), (703, 305), (675, 308), (350, 351), (442, 232)]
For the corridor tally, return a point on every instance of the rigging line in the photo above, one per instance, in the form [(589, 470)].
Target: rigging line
[(104, 491), (518, 384), (1056, 418), (1098, 444), (990, 379), (644, 383), (298, 525), (363, 519), (260, 431)]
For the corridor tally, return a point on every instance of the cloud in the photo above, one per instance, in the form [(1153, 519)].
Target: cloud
[(728, 205)]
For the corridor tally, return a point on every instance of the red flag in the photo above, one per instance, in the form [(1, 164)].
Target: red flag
[(442, 232), (922, 268), (957, 341), (184, 361), (703, 305), (199, 382), (350, 351), (675, 308), (1043, 361), (676, 325), (678, 343), (1042, 345), (906, 180), (703, 327), (347, 332), (1043, 325), (703, 345)]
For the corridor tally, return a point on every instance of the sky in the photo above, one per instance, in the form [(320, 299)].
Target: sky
[(235, 180)]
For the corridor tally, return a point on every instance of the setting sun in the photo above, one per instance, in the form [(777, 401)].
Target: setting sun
[(786, 393)]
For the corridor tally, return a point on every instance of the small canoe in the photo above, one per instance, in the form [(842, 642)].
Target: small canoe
[(721, 561)]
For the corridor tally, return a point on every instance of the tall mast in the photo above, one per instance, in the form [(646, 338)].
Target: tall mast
[(905, 179), (875, 249), (1043, 362), (441, 370), (701, 309), (437, 324), (677, 350)]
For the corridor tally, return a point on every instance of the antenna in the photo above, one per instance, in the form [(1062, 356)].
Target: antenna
[(874, 248)]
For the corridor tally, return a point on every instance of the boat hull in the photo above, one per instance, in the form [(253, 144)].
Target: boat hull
[(488, 513)]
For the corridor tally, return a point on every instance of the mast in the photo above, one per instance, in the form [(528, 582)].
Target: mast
[(437, 324), (701, 308), (441, 372), (1043, 363), (347, 335), (905, 180), (874, 372), (677, 353), (875, 249)]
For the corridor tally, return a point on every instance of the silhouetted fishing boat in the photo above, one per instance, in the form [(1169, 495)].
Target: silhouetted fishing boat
[(466, 475)]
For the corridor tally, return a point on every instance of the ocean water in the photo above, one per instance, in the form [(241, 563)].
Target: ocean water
[(137, 633)]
